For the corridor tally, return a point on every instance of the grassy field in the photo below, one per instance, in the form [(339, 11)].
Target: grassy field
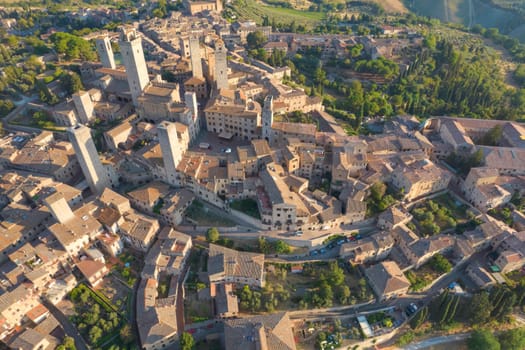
[(468, 13), (202, 216), (36, 119), (391, 6), (247, 206), (251, 9)]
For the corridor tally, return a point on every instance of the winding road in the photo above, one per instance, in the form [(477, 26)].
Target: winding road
[(437, 340)]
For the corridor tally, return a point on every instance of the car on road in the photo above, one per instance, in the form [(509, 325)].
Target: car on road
[(411, 309), (313, 252), (298, 233), (322, 250), (341, 241)]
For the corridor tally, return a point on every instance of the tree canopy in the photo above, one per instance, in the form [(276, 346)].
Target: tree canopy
[(73, 47), (186, 341), (480, 308), (483, 339), (71, 82), (212, 235), (255, 40), (513, 339)]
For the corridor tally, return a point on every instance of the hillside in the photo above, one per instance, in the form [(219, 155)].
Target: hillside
[(391, 6), (501, 14)]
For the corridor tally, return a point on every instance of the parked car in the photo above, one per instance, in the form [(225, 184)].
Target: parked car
[(411, 309)]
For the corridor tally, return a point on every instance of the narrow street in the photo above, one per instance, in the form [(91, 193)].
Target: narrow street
[(180, 298), (68, 327)]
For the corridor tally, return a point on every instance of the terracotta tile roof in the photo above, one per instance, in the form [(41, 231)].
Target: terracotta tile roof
[(265, 332), (90, 268), (387, 277), (150, 193), (233, 263)]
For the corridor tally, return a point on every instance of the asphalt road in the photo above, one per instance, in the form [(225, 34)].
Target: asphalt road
[(425, 344)]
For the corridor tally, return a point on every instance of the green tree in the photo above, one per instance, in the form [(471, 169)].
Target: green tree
[(430, 42), (95, 333), (264, 246), (319, 76), (326, 294), (71, 82), (343, 294), (319, 340), (440, 264), (186, 341), (519, 74), (512, 339), (72, 46), (6, 106), (491, 137), (503, 300), (419, 318), (255, 40), (336, 276), (67, 344), (406, 338), (212, 235), (377, 191), (12, 41), (480, 308), (282, 247), (482, 339)]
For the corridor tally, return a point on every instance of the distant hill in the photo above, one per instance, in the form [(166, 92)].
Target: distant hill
[(391, 6), (506, 15)]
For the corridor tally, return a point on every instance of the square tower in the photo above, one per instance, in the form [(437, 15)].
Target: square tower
[(105, 52), (171, 150), (267, 118), (59, 208), (94, 172), (221, 66), (84, 106), (195, 55), (133, 58)]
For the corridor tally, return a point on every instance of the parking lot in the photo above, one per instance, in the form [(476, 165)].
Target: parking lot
[(334, 245)]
